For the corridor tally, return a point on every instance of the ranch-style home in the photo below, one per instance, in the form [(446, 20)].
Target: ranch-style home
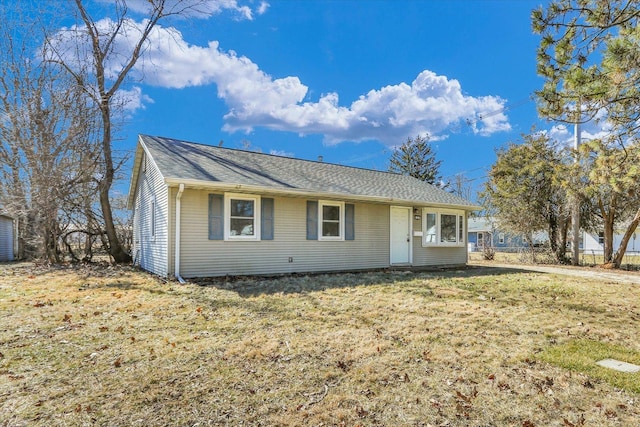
[(202, 211)]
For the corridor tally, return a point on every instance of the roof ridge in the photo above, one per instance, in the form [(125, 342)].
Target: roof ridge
[(272, 155), (179, 159)]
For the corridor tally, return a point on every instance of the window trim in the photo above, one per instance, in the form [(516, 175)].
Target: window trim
[(228, 197), (460, 227), (153, 219), (341, 224)]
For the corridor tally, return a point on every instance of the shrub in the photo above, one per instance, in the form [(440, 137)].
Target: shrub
[(488, 253)]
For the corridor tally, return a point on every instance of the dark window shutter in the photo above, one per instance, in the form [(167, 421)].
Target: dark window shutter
[(312, 220), (349, 222), (216, 217), (266, 219)]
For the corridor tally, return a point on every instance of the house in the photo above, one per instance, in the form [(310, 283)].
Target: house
[(479, 233), (7, 238), (486, 232), (594, 243), (204, 211)]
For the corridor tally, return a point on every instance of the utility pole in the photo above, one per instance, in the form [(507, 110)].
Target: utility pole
[(575, 212)]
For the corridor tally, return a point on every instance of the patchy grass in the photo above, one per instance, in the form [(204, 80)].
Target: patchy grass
[(481, 347), (581, 355)]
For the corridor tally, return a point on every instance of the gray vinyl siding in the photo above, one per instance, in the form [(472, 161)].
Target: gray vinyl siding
[(6, 239), (434, 255), (161, 164), (150, 251), (203, 257)]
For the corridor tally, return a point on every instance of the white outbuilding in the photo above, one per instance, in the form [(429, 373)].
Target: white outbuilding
[(6, 238)]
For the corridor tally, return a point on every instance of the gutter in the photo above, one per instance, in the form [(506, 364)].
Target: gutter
[(177, 242), (254, 189)]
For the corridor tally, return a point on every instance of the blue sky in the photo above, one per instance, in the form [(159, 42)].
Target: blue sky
[(344, 79)]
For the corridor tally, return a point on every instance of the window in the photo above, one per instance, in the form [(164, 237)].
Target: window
[(448, 228), (331, 220), (431, 232), (443, 228), (601, 238), (501, 238), (242, 217), (152, 209)]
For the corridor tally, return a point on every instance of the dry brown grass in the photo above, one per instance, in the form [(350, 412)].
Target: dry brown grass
[(631, 261), (93, 346)]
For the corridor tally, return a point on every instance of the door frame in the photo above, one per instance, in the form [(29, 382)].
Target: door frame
[(409, 234)]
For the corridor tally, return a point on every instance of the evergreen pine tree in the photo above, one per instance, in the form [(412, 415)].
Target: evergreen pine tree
[(416, 158)]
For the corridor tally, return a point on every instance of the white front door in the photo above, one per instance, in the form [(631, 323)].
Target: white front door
[(400, 235)]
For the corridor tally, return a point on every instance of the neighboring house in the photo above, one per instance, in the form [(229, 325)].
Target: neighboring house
[(7, 238), (203, 211), (594, 243), (486, 232), (479, 233)]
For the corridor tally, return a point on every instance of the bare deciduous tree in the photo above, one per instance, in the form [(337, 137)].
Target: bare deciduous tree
[(46, 149), (93, 53), (63, 98)]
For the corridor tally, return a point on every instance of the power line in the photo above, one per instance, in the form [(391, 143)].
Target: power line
[(508, 107)]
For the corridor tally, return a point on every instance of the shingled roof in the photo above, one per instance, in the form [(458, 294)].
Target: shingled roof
[(209, 167)]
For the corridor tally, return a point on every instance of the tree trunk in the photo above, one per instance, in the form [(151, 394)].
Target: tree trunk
[(617, 260), (528, 238), (561, 250), (608, 219), (608, 239), (553, 233), (115, 247)]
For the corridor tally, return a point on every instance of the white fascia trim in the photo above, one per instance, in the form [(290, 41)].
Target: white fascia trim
[(254, 189), (141, 153)]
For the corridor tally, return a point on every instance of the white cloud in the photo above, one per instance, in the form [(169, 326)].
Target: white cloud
[(431, 104), (262, 9), (560, 133), (131, 100), (597, 128), (195, 8)]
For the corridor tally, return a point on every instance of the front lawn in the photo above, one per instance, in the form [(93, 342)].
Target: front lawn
[(476, 347)]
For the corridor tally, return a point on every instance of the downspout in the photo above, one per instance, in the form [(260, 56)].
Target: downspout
[(177, 240)]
